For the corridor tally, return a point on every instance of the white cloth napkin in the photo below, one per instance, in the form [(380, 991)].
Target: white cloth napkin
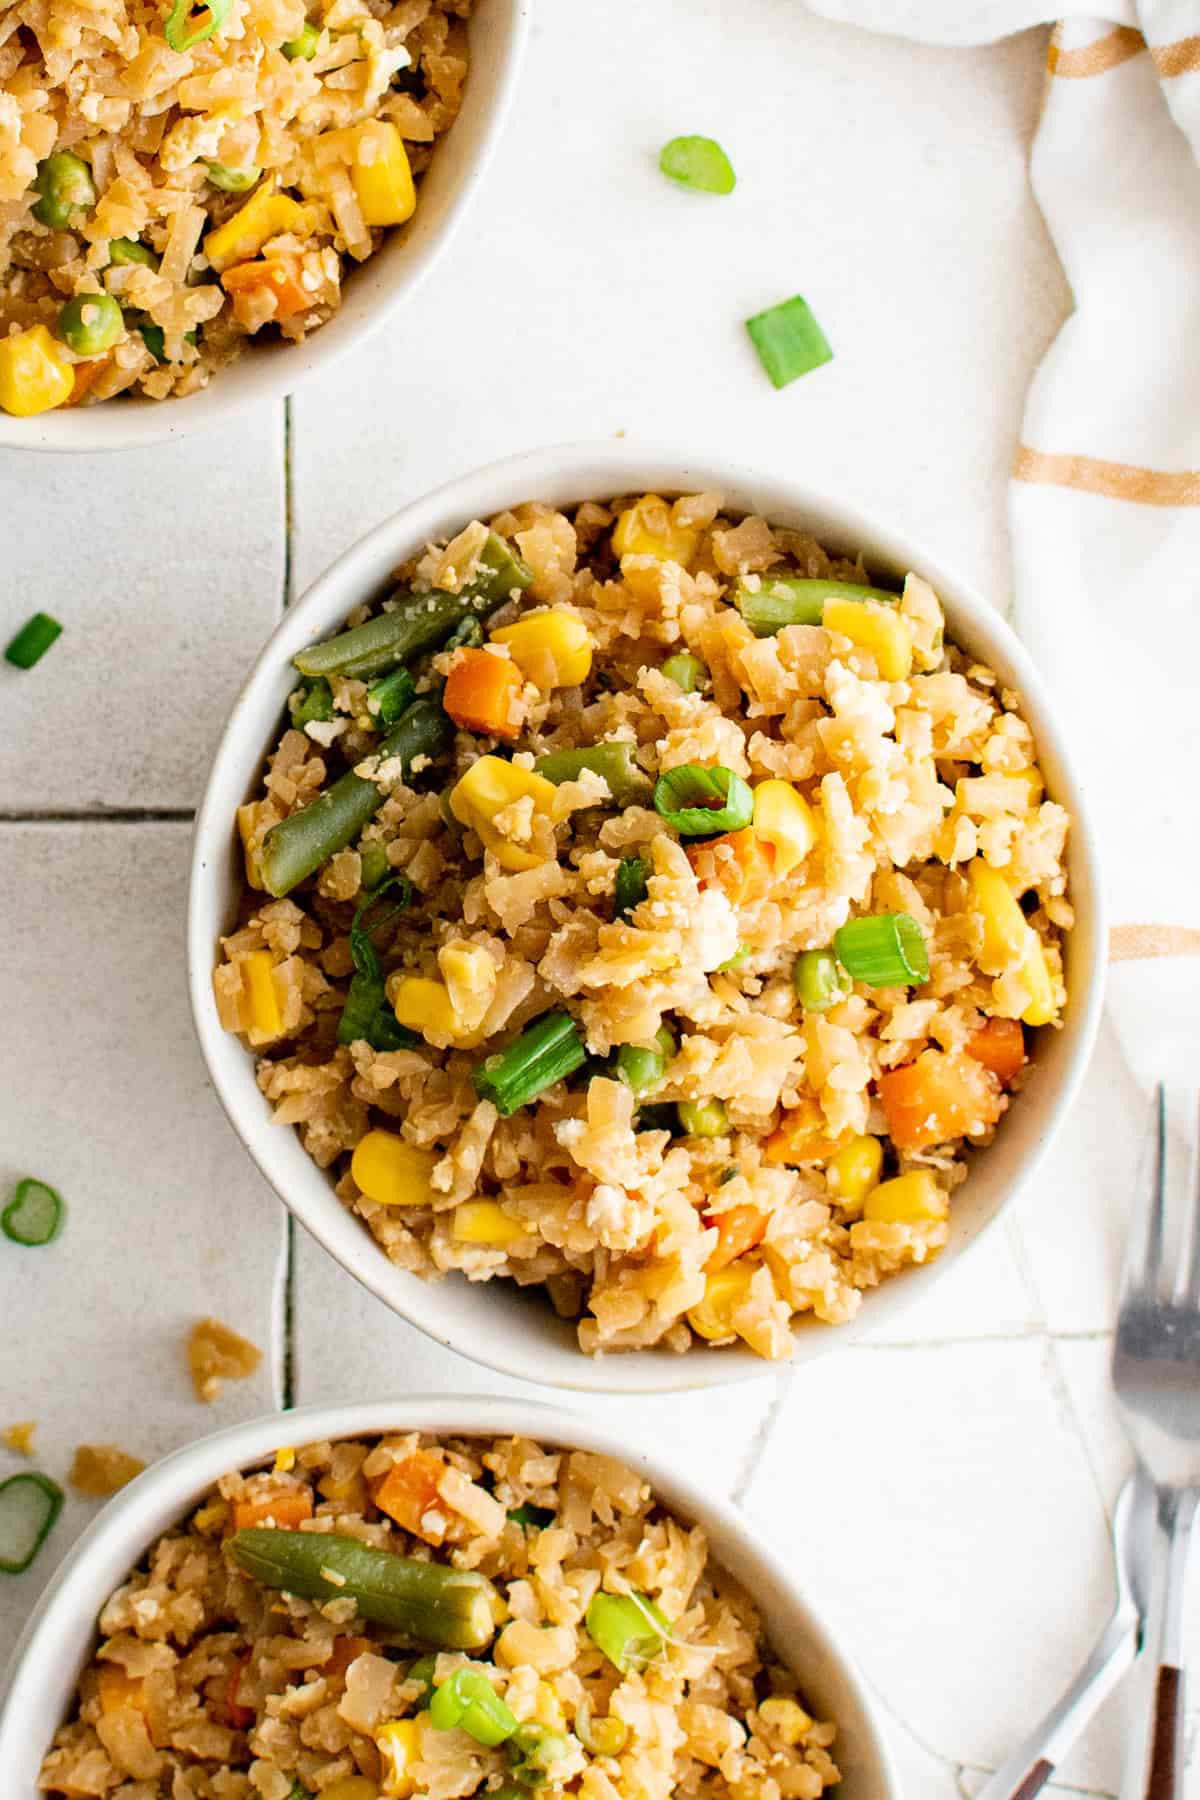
[(1105, 495)]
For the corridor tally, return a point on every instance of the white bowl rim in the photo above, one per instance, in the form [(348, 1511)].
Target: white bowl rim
[(58, 1635), (609, 468), (274, 372)]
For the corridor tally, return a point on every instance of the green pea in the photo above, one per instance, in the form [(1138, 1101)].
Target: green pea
[(90, 324), (65, 185), (127, 250), (304, 46), (703, 1118), (233, 181)]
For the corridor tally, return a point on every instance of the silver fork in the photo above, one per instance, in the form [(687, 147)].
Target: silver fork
[(1156, 1376)]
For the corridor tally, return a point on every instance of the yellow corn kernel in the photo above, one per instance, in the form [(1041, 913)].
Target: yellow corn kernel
[(391, 1171), (470, 976), (785, 819), (119, 1690), (35, 375), (351, 1787), (424, 1005), (247, 819), (786, 1718), (546, 1708), (724, 1291), (648, 529), (487, 787), (854, 1170), (483, 1222), (265, 215), (379, 170), (551, 649), (285, 1460), (1005, 928), (266, 1020), (1028, 993), (879, 629), (399, 1746), (912, 1199)]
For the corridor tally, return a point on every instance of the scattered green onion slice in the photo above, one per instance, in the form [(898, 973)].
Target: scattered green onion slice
[(531, 1518), (686, 671), (699, 801), (366, 1016), (629, 889), (300, 1792), (388, 698), (883, 950), (315, 703), (233, 181), (628, 1628), (728, 1175), (423, 1671), (547, 1051), (798, 600), (699, 163), (816, 980), (303, 47), (642, 1068), (533, 1750), (788, 340), (29, 1505), (375, 865), (34, 1216), (470, 1702), (703, 1118), (32, 641), (123, 250), (600, 1737), (735, 961), (180, 31)]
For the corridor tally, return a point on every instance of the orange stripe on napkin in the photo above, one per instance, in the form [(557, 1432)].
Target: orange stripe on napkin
[(1177, 59), (1114, 480), (1097, 57), (1134, 943)]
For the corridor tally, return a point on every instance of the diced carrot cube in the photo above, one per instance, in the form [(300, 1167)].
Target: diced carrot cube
[(939, 1097), (83, 375), (284, 1507), (801, 1139), (278, 276), (410, 1494), (738, 1230), (740, 863), (345, 1651), (1000, 1046), (483, 693)]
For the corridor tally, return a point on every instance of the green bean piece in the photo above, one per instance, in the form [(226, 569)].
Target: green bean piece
[(469, 1702), (233, 181), (123, 251), (301, 843), (29, 1505), (388, 698), (419, 621), (629, 1628), (428, 1601), (629, 890), (613, 761), (315, 703), (90, 324), (33, 640), (64, 184), (375, 864), (686, 671), (34, 1216), (703, 1118), (303, 47), (781, 600), (531, 1518), (467, 635), (642, 1068), (817, 981), (546, 1052), (533, 1751)]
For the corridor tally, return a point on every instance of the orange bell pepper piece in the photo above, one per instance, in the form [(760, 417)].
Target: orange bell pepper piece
[(800, 1139), (483, 693), (999, 1045), (741, 864), (277, 275), (738, 1230), (939, 1097), (83, 375), (409, 1493), (286, 1507), (345, 1651)]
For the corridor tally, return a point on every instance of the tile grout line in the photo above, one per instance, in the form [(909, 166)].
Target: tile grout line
[(762, 1437), (100, 815)]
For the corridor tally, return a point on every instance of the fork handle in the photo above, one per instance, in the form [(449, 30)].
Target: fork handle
[(1166, 1754), (1158, 1764)]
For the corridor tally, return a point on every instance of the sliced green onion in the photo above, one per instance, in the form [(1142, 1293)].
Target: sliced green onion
[(300, 1792), (699, 163), (177, 32), (375, 864), (630, 887), (628, 1628), (533, 1751), (703, 1118), (470, 1702), (816, 980), (735, 961), (388, 698), (315, 703), (233, 181), (304, 47), (728, 1175), (34, 1216), (423, 1671), (686, 671), (699, 801), (789, 341), (600, 1737), (366, 1016), (613, 762), (29, 1505), (643, 1069), (32, 641), (152, 335), (883, 950), (531, 1518), (123, 251), (547, 1051), (797, 600)]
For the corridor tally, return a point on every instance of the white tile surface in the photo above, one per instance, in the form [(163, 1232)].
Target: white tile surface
[(945, 1495)]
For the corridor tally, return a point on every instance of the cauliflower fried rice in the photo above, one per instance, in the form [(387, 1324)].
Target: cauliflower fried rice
[(632, 1014), (613, 1657)]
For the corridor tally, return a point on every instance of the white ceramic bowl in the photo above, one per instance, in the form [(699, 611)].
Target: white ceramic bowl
[(61, 1633), (496, 1322), (372, 293)]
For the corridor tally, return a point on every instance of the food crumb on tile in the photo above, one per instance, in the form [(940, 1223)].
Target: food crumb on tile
[(19, 1437), (217, 1354), (102, 1469)]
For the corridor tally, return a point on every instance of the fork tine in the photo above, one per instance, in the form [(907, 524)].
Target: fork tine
[(1190, 1285), (1143, 1261)]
